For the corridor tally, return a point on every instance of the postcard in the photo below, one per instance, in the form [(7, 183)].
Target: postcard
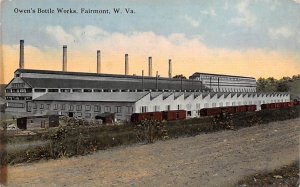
[(149, 93)]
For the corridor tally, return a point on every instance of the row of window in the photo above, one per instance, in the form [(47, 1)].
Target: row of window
[(234, 89), (18, 98), (95, 108), (18, 85), (19, 90), (226, 78)]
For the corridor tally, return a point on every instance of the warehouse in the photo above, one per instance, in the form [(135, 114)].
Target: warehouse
[(87, 95), (226, 83)]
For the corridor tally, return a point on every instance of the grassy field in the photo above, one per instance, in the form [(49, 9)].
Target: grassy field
[(70, 140)]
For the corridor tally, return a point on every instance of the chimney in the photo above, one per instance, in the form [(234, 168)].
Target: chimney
[(21, 60), (126, 64), (150, 66), (170, 68), (98, 61), (64, 68)]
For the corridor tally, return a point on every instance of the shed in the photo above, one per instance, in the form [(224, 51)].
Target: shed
[(38, 122)]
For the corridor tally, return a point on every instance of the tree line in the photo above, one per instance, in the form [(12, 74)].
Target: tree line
[(273, 85)]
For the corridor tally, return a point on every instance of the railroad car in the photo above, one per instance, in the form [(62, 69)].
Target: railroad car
[(251, 108), (137, 117), (210, 111), (174, 115)]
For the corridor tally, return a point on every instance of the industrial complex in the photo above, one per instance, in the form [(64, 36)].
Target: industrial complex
[(87, 95)]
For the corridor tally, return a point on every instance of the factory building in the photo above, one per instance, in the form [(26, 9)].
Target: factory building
[(226, 83), (88, 95)]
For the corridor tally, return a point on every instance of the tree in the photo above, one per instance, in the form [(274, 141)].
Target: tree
[(179, 77)]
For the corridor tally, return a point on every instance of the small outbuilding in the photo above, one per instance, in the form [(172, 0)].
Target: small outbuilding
[(38, 122)]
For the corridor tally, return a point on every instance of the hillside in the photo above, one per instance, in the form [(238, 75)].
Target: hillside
[(295, 88)]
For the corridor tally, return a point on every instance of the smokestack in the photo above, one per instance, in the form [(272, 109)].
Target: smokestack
[(64, 68), (21, 60), (98, 61), (126, 64), (170, 68), (150, 66)]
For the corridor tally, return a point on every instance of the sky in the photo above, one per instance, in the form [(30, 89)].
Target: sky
[(257, 38)]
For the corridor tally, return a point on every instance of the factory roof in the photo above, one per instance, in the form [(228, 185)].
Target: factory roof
[(93, 74), (113, 83), (198, 73), (93, 97)]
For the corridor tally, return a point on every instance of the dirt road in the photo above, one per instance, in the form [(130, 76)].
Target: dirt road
[(217, 159)]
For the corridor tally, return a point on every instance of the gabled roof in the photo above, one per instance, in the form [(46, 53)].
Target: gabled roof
[(154, 95), (166, 95), (93, 97), (178, 94)]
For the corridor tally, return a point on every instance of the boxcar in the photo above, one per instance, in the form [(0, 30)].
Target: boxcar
[(251, 108), (242, 108), (174, 115), (210, 111), (229, 109), (137, 117)]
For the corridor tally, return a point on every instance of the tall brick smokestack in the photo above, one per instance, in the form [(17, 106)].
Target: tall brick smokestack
[(21, 60), (64, 67), (126, 64), (98, 61), (170, 68), (150, 66)]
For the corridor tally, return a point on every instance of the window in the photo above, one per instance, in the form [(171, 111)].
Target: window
[(97, 108), (48, 106), (106, 109), (198, 106), (15, 105), (144, 108), (40, 90), (42, 106), (78, 107), (18, 85), (179, 107), (55, 106), (52, 90), (214, 104), (87, 107), (206, 105), (76, 90), (65, 90), (118, 109), (97, 90), (168, 107), (63, 107), (71, 107), (233, 103), (220, 104), (34, 106), (8, 91), (87, 90), (129, 109), (156, 108)]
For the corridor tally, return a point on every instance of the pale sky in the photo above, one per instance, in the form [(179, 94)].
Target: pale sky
[(258, 38)]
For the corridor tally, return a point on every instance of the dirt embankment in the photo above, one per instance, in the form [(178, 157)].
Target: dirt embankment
[(216, 159)]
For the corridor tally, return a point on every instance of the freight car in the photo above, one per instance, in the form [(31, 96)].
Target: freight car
[(159, 116), (228, 110), (174, 115), (278, 105), (137, 117)]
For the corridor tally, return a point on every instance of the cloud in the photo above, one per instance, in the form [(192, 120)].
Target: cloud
[(246, 18), (192, 21), (59, 34), (210, 12), (188, 54), (282, 32)]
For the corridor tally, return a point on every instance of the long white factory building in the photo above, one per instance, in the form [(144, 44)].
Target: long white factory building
[(86, 95)]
